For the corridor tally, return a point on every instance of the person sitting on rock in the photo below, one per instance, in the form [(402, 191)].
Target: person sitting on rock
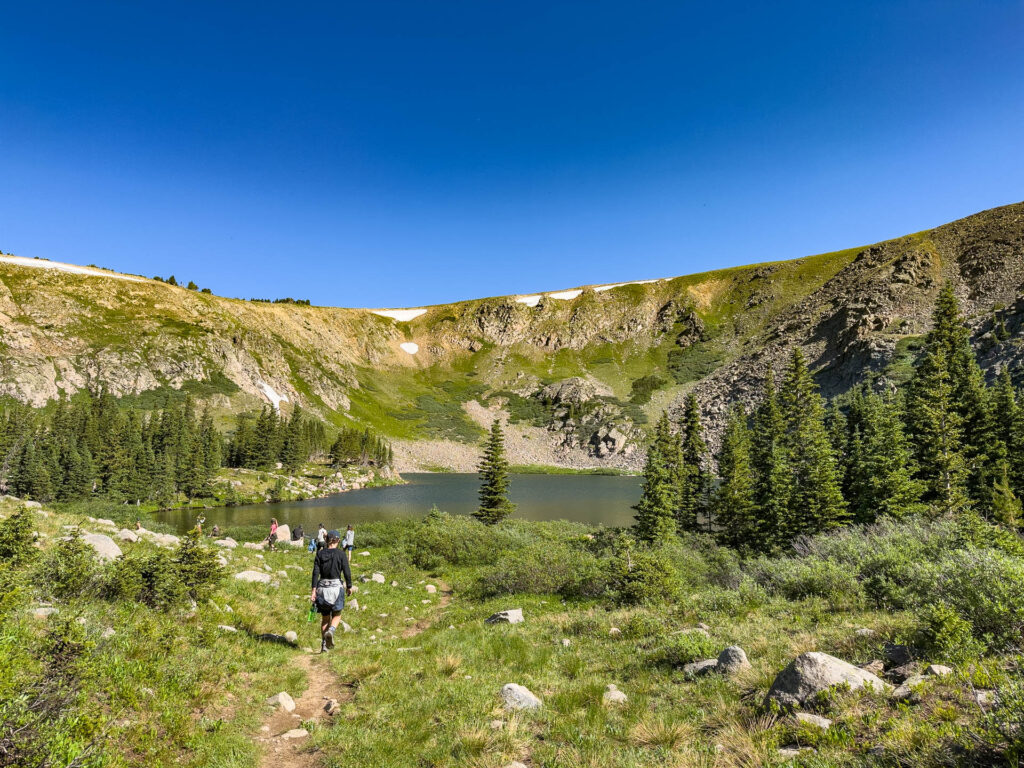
[(298, 534), (329, 566)]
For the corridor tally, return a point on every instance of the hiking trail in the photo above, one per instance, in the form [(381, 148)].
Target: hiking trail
[(323, 684)]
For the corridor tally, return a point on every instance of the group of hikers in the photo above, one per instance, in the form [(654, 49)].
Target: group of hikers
[(332, 574)]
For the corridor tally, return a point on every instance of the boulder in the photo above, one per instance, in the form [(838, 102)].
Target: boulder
[(875, 667), (896, 655), (106, 549), (125, 535), (295, 733), (284, 533), (938, 670), (227, 542), (253, 577), (516, 697), (378, 577), (813, 672), (31, 504), (297, 543), (907, 690), (732, 660), (613, 696), (509, 616), (699, 668), (814, 720), (282, 701)]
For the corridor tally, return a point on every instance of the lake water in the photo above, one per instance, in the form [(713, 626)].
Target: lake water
[(595, 499)]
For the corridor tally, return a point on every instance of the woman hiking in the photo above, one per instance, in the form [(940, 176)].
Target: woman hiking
[(329, 566)]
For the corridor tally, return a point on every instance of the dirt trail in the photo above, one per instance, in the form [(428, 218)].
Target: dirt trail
[(323, 685)]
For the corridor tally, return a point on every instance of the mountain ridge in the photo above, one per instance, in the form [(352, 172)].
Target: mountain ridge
[(579, 372)]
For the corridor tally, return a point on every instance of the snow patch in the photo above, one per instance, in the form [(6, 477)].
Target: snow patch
[(401, 315), (274, 398), (601, 288), (530, 301), (24, 261), (411, 347), (566, 295)]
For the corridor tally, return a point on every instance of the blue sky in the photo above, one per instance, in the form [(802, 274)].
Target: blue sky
[(403, 153)]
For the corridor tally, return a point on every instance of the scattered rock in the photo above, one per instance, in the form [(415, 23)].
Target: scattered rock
[(31, 504), (345, 627), (897, 655), (732, 660), (875, 667), (378, 577), (699, 668), (907, 691), (227, 542), (510, 616), (497, 725), (295, 733), (813, 672), (613, 696), (816, 720), (614, 631), (353, 604), (293, 567), (566, 642), (282, 701), (332, 707), (986, 698), (431, 589), (938, 670), (108, 633), (106, 549), (364, 554), (394, 583), (226, 628), (253, 577), (254, 544), (518, 697), (125, 535), (865, 632), (44, 613), (291, 636), (899, 674)]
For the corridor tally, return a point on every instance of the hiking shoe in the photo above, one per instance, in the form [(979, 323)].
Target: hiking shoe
[(323, 646), (329, 638)]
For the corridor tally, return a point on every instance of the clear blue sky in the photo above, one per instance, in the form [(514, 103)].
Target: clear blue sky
[(401, 153)]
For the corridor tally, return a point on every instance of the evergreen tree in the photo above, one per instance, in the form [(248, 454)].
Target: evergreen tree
[(817, 502), (494, 480), (294, 452), (693, 479), (734, 503), (1005, 506), (655, 519), (773, 477)]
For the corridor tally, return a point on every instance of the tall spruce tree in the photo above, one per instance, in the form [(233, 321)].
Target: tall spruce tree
[(494, 480), (734, 503), (772, 474), (655, 519), (693, 478), (817, 502)]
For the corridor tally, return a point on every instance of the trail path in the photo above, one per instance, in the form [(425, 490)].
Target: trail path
[(323, 685)]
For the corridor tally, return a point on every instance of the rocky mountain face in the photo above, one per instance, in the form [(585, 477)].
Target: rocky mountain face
[(579, 374)]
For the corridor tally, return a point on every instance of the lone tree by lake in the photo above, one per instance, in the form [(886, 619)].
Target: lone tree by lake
[(494, 480)]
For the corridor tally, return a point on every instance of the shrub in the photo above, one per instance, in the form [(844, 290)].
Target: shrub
[(645, 577), (643, 625), (545, 568), (69, 569), (197, 566), (799, 579), (16, 537), (642, 388), (946, 635), (684, 648), (150, 578)]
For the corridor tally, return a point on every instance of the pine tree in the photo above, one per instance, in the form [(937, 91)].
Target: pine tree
[(1005, 506), (817, 502), (655, 519), (772, 473), (693, 479), (494, 480), (734, 503), (294, 452)]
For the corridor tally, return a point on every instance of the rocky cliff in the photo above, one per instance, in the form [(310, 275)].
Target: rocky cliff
[(578, 373)]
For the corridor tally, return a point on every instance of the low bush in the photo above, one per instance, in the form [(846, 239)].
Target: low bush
[(148, 577), (16, 537), (645, 577), (545, 568), (944, 634), (69, 569), (681, 649)]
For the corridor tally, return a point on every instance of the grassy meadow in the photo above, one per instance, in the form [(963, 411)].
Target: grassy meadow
[(130, 671)]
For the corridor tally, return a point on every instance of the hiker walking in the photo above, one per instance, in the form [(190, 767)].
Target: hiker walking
[(350, 542), (329, 565), (321, 537), (273, 533)]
